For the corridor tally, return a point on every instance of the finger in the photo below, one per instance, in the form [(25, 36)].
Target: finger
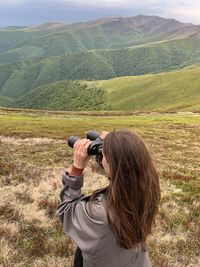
[(82, 145), (79, 142), (86, 145)]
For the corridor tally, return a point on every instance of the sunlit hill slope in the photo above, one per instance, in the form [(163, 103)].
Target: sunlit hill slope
[(177, 90)]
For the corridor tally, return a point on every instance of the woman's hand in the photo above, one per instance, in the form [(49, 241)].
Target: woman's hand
[(81, 156)]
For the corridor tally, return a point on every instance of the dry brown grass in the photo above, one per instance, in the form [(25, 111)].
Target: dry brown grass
[(30, 171), (29, 193)]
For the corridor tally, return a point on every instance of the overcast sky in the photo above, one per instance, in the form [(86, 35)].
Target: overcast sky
[(27, 12)]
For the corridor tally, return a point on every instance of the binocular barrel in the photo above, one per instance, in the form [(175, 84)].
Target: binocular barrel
[(72, 140), (93, 135), (95, 147)]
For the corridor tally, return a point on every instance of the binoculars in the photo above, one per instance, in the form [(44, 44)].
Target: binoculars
[(95, 148)]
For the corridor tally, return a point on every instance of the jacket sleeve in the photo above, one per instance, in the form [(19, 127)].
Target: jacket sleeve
[(82, 219)]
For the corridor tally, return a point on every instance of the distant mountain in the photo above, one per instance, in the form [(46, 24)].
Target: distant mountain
[(53, 39), (172, 91), (19, 78), (31, 57), (11, 28)]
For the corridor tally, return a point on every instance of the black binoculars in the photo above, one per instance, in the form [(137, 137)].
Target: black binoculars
[(95, 148)]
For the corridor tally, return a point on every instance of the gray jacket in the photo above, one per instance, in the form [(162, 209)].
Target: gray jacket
[(88, 226)]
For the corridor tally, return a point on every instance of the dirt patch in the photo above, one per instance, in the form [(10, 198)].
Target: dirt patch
[(28, 141)]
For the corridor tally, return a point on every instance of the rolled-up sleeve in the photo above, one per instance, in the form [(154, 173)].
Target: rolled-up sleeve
[(81, 221), (72, 187)]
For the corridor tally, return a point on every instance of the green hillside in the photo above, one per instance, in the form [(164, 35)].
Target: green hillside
[(103, 49), (172, 91), (5, 101), (11, 38), (19, 78), (65, 95)]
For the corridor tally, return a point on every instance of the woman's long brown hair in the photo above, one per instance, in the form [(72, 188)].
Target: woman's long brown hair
[(134, 192)]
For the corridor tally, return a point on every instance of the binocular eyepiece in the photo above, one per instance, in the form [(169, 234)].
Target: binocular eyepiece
[(95, 148)]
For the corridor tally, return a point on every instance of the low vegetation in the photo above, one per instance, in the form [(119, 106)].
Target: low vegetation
[(34, 154), (66, 95)]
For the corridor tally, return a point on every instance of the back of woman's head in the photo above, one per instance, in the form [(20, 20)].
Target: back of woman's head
[(134, 192)]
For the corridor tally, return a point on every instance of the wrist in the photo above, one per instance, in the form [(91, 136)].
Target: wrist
[(78, 165), (75, 171)]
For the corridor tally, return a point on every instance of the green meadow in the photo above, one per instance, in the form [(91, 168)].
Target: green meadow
[(60, 125), (167, 91), (34, 154)]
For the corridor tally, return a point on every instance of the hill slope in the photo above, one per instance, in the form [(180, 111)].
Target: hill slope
[(177, 90), (5, 101), (172, 91), (18, 79), (96, 50)]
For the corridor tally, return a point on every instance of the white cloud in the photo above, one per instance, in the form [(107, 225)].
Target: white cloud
[(11, 2), (183, 10), (108, 3), (99, 3), (188, 14)]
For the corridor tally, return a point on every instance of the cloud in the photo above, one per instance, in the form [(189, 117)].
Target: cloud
[(77, 2), (183, 10), (187, 15), (148, 4), (78, 10), (11, 2), (87, 3)]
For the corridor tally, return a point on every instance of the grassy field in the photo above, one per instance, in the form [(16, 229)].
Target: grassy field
[(167, 91), (34, 154)]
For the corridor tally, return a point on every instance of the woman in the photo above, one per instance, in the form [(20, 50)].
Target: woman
[(111, 226)]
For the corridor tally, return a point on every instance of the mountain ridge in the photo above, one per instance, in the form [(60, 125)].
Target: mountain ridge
[(102, 33), (105, 48)]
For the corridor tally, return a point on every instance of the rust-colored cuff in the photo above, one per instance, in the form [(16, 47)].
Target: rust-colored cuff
[(76, 172)]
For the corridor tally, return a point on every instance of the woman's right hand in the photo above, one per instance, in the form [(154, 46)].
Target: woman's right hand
[(81, 157)]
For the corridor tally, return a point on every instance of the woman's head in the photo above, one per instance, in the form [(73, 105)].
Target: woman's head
[(134, 192), (124, 151)]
